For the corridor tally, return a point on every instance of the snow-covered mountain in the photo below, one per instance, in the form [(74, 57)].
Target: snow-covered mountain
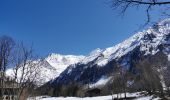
[(55, 64), (51, 66), (61, 62), (101, 62)]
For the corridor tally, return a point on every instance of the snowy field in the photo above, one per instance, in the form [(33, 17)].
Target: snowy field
[(138, 96)]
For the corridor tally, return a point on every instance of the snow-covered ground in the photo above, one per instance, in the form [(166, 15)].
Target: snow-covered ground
[(138, 96)]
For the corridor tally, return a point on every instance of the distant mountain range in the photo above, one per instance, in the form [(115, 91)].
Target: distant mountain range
[(98, 67)]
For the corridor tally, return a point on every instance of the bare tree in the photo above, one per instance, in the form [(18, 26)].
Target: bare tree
[(123, 80), (123, 5), (26, 70), (6, 46)]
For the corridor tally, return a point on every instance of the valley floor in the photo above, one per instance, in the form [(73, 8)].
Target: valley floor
[(135, 96)]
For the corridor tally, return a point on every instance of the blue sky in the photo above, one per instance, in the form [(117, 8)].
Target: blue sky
[(67, 26)]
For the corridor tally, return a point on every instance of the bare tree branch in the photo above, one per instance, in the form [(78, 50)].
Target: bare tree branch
[(123, 5)]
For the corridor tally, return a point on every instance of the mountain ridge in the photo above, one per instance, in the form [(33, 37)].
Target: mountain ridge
[(149, 42), (57, 67)]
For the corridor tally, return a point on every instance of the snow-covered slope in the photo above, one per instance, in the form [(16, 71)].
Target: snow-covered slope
[(147, 42)]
